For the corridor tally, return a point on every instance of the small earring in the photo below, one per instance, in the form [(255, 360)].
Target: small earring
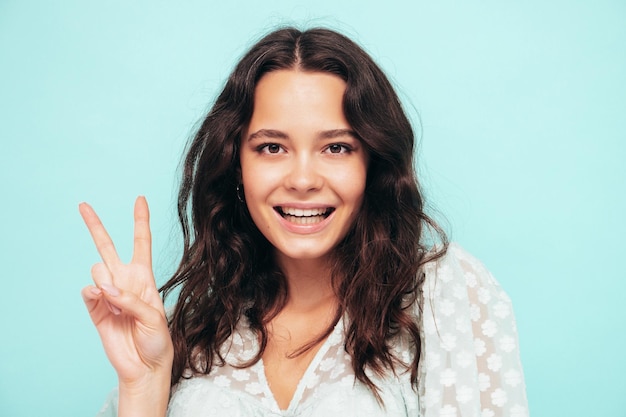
[(239, 195)]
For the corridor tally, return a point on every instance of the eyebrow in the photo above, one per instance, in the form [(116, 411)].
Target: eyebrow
[(324, 134), (268, 133)]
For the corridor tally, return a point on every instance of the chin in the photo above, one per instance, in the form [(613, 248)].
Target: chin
[(303, 254)]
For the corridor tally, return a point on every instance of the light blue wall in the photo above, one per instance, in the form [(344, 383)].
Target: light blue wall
[(523, 146)]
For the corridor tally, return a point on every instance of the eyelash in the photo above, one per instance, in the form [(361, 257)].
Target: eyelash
[(264, 148), (344, 148)]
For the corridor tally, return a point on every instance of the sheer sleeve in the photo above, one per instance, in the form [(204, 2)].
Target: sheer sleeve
[(470, 365), (109, 409)]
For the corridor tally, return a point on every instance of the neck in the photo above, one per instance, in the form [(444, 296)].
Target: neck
[(308, 281)]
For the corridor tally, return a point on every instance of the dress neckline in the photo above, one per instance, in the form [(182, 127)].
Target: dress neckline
[(308, 376)]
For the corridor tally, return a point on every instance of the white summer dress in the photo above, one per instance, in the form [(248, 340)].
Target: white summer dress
[(470, 365)]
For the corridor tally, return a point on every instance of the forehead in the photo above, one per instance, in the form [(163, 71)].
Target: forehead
[(299, 95)]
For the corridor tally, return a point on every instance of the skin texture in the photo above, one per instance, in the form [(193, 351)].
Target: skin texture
[(128, 313), (300, 156), (299, 152)]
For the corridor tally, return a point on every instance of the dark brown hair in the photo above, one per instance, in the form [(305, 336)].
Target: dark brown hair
[(227, 269)]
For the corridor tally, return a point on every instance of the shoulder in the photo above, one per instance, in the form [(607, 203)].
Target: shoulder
[(456, 259), (469, 343), (459, 271), (460, 296)]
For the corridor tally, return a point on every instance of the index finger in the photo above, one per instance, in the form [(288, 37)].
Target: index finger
[(101, 238), (142, 251)]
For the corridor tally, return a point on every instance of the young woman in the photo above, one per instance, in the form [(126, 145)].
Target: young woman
[(307, 286)]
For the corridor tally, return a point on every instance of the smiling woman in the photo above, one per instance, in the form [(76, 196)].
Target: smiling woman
[(303, 168), (307, 284)]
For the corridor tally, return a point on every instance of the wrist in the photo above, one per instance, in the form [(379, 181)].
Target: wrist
[(148, 396)]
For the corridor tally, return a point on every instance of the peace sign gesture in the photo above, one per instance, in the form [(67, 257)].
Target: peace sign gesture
[(128, 313)]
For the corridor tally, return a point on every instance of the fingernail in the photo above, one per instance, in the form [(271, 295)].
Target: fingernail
[(95, 290), (115, 310), (110, 289)]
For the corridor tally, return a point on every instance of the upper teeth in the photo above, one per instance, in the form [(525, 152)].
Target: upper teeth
[(303, 212)]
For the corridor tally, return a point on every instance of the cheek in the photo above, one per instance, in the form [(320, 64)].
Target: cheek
[(352, 182), (249, 176), (257, 184)]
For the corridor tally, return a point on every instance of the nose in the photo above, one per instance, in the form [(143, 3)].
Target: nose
[(304, 175)]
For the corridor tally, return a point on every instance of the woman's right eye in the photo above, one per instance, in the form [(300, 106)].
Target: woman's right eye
[(269, 148)]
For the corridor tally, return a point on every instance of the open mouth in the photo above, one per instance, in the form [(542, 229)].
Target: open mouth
[(304, 216)]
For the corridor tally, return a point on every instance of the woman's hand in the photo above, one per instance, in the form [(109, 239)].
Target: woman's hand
[(127, 310)]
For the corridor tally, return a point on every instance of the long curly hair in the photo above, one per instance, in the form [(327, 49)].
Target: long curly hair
[(227, 271)]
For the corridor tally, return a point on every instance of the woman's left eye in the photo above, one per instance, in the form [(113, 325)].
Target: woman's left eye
[(338, 148)]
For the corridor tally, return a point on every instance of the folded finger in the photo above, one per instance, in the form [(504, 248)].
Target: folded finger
[(92, 297), (101, 238), (130, 304)]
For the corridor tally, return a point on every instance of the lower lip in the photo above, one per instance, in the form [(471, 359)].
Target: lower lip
[(304, 228)]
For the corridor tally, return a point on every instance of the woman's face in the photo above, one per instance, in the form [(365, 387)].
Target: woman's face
[(302, 167)]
